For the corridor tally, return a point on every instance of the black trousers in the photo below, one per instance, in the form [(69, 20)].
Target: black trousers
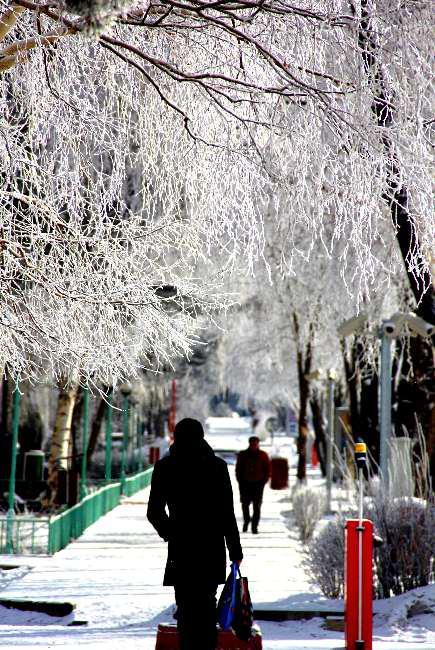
[(251, 492), (196, 616)]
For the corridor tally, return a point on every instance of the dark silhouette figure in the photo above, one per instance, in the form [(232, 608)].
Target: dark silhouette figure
[(252, 473), (191, 507)]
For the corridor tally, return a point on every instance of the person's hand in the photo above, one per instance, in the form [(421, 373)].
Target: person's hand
[(238, 562)]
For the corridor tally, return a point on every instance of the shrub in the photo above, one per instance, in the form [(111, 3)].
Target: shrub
[(308, 507), (324, 562), (403, 562)]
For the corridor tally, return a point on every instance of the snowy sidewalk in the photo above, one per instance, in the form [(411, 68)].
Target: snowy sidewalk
[(113, 574)]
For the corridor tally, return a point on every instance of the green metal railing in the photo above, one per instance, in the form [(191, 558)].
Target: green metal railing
[(24, 535), (137, 482), (47, 535), (73, 522)]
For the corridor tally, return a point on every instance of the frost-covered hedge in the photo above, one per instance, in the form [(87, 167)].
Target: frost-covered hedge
[(308, 508), (403, 562)]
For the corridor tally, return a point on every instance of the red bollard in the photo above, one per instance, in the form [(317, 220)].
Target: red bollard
[(358, 606)]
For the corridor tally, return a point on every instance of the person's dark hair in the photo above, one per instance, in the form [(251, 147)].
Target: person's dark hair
[(254, 439), (188, 432)]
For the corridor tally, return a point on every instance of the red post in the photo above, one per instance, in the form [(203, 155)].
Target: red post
[(314, 456), (353, 606)]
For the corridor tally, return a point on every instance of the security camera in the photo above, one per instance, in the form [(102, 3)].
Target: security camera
[(352, 325), (419, 325), (389, 328)]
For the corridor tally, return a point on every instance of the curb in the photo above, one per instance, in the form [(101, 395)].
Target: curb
[(57, 609)]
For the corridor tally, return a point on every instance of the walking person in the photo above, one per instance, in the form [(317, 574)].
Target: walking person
[(191, 507), (252, 473)]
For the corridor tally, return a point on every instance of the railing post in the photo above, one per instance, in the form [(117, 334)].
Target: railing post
[(109, 430), (11, 495), (83, 477)]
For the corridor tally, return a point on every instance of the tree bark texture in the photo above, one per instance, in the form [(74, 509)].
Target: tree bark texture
[(319, 429), (96, 425), (304, 360), (362, 385), (60, 442)]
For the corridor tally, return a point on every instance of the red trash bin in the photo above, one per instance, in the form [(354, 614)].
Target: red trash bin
[(279, 473), (154, 455)]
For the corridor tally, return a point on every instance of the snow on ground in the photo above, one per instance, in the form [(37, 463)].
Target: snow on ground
[(114, 572)]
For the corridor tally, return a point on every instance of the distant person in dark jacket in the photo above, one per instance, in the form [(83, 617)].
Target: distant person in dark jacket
[(252, 473), (191, 507)]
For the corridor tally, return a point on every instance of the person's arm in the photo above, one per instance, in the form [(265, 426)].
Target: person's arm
[(156, 512), (231, 531)]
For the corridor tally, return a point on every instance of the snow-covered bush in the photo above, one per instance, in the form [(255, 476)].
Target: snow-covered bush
[(403, 562), (308, 507), (324, 561)]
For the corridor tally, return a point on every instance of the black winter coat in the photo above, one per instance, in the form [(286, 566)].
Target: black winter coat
[(194, 485)]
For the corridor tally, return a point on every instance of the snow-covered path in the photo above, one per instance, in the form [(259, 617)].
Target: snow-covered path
[(113, 574)]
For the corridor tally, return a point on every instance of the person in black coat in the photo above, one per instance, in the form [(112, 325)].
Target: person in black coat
[(191, 507)]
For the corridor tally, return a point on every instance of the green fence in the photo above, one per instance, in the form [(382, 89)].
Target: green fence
[(137, 482), (70, 524), (29, 535), (42, 534)]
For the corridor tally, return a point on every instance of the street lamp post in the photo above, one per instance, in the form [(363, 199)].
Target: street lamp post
[(84, 468), (125, 390), (12, 476), (108, 438), (139, 441), (385, 399)]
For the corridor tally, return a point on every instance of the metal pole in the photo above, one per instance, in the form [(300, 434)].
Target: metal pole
[(83, 477), (139, 440), (125, 430), (11, 494), (330, 443), (108, 438), (385, 406)]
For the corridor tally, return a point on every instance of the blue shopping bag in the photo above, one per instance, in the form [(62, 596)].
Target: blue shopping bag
[(227, 600)]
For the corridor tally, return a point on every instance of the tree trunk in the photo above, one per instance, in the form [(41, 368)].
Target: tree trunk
[(352, 381), (369, 415), (396, 195), (319, 429), (97, 422), (304, 359), (75, 429), (60, 442)]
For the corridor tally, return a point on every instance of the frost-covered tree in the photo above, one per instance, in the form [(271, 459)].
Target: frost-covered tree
[(161, 130)]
